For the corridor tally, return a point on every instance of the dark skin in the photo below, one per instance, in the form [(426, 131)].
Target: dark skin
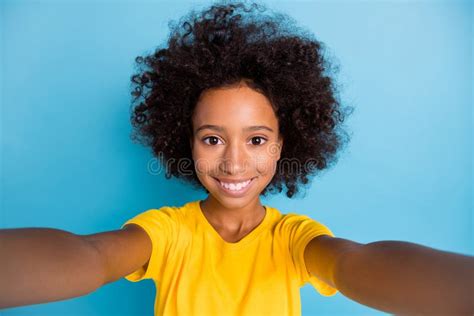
[(396, 277), (226, 150)]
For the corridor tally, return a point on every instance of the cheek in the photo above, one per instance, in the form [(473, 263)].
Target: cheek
[(201, 163), (204, 160), (266, 164)]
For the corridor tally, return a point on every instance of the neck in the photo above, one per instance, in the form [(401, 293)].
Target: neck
[(233, 219)]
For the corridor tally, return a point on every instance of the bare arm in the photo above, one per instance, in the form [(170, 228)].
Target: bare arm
[(396, 277), (406, 278), (41, 265)]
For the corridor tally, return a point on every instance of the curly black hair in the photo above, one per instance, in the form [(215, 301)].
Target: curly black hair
[(221, 46)]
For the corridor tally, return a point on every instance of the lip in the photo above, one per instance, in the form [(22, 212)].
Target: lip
[(239, 193), (233, 180)]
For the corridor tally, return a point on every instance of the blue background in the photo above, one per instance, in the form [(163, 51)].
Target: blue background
[(67, 160)]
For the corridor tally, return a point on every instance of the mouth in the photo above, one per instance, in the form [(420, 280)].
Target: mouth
[(234, 189)]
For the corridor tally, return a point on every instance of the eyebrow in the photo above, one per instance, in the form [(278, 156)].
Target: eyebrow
[(221, 129)]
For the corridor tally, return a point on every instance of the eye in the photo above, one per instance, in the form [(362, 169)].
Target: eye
[(212, 140), (258, 140)]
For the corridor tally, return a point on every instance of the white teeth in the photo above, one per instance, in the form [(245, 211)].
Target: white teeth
[(235, 186)]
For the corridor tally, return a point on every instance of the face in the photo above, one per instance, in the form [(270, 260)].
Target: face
[(235, 144)]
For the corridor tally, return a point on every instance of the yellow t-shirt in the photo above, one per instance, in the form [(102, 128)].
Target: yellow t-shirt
[(196, 272)]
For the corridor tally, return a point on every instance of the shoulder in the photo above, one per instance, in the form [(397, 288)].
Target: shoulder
[(166, 222), (162, 226), (173, 213), (300, 224)]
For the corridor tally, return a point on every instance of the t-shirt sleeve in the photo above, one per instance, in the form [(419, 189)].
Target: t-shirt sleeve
[(302, 229), (160, 226)]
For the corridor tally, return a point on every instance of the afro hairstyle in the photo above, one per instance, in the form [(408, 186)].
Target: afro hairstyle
[(221, 46)]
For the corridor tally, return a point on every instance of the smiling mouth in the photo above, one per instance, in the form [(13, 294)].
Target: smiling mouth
[(235, 188)]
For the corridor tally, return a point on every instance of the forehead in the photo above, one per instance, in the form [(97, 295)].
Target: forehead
[(234, 107)]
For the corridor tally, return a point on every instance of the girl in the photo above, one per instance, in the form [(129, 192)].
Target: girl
[(240, 105)]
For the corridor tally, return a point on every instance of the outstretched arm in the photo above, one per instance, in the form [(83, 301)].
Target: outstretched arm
[(394, 276), (39, 265)]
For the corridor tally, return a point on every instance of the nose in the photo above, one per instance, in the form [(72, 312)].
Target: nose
[(234, 159)]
